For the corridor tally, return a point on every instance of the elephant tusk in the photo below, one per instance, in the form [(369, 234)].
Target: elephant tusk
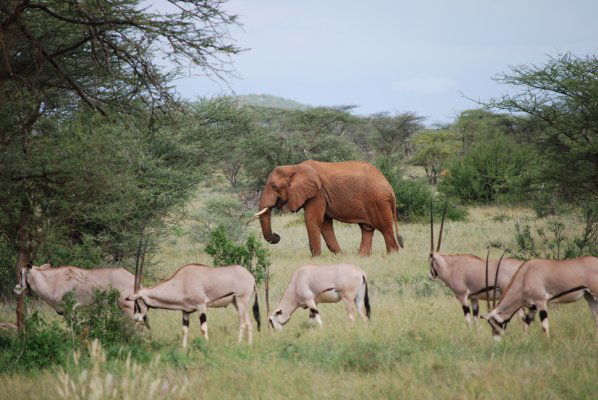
[(261, 212)]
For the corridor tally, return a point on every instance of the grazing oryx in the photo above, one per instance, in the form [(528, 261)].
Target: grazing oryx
[(195, 287), (467, 275), (313, 284), (51, 284), (538, 282)]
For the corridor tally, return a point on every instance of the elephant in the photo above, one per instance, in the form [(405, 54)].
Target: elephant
[(353, 192)]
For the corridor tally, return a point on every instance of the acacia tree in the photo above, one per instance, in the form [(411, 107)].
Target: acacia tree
[(57, 54), (561, 97), (433, 149), (392, 132)]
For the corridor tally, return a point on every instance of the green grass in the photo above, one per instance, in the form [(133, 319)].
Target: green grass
[(417, 345)]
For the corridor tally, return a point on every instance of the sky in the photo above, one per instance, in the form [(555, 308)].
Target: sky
[(426, 56)]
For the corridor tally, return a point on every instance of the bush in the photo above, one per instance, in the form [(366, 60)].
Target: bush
[(103, 320), (226, 252), (498, 169), (42, 345), (413, 197), (223, 212), (553, 243), (86, 253)]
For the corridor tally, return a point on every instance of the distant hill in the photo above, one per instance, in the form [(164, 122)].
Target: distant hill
[(267, 100)]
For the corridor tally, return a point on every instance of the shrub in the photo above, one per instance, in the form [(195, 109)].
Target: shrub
[(102, 320), (552, 242), (223, 212), (413, 196), (42, 345), (494, 170), (252, 255)]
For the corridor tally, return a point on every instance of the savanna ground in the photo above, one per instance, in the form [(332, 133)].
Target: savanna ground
[(417, 345)]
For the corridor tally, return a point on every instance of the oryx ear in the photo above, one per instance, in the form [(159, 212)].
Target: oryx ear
[(29, 265)]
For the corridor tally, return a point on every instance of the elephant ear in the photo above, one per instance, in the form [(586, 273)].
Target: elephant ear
[(304, 184)]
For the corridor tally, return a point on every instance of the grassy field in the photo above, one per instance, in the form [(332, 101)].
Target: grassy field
[(417, 345)]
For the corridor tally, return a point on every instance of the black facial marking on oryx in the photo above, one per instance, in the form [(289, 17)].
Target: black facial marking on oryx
[(543, 315), (575, 289), (202, 318), (465, 310)]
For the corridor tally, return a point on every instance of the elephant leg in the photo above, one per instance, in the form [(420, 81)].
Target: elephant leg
[(329, 237), (314, 216), (367, 234), (389, 239)]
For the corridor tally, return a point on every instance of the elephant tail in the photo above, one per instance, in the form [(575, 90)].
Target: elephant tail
[(395, 217)]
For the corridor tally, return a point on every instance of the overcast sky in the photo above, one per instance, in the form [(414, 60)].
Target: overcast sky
[(416, 55)]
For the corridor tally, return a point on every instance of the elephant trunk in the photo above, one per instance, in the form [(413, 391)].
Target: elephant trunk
[(268, 200), (266, 224)]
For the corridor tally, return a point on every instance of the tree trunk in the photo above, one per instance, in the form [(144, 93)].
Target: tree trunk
[(20, 264)]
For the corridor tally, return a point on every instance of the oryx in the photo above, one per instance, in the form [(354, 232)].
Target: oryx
[(51, 284), (313, 284), (538, 282), (469, 277), (195, 287)]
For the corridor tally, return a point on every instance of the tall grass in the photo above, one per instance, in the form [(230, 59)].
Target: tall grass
[(417, 345)]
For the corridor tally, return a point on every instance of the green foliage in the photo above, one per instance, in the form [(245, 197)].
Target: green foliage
[(493, 170), (413, 196), (560, 99), (42, 345), (86, 253), (291, 136), (252, 255), (391, 133), (102, 320), (269, 101), (474, 126), (225, 212), (553, 242), (433, 149), (7, 269)]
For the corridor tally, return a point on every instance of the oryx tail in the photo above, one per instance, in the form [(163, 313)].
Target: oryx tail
[(256, 310)]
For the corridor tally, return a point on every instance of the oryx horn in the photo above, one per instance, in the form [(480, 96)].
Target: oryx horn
[(487, 288), (441, 226), (431, 225), (496, 278), (136, 284)]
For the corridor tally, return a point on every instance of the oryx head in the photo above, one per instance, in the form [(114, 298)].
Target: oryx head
[(278, 319), (24, 276), (22, 285), (139, 304), (433, 262), (498, 325)]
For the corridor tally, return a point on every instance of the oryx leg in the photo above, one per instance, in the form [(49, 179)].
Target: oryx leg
[(185, 328), (360, 303), (248, 323), (475, 307), (543, 317), (242, 310), (314, 314), (529, 318), (463, 299), (203, 320), (348, 301), (593, 303)]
